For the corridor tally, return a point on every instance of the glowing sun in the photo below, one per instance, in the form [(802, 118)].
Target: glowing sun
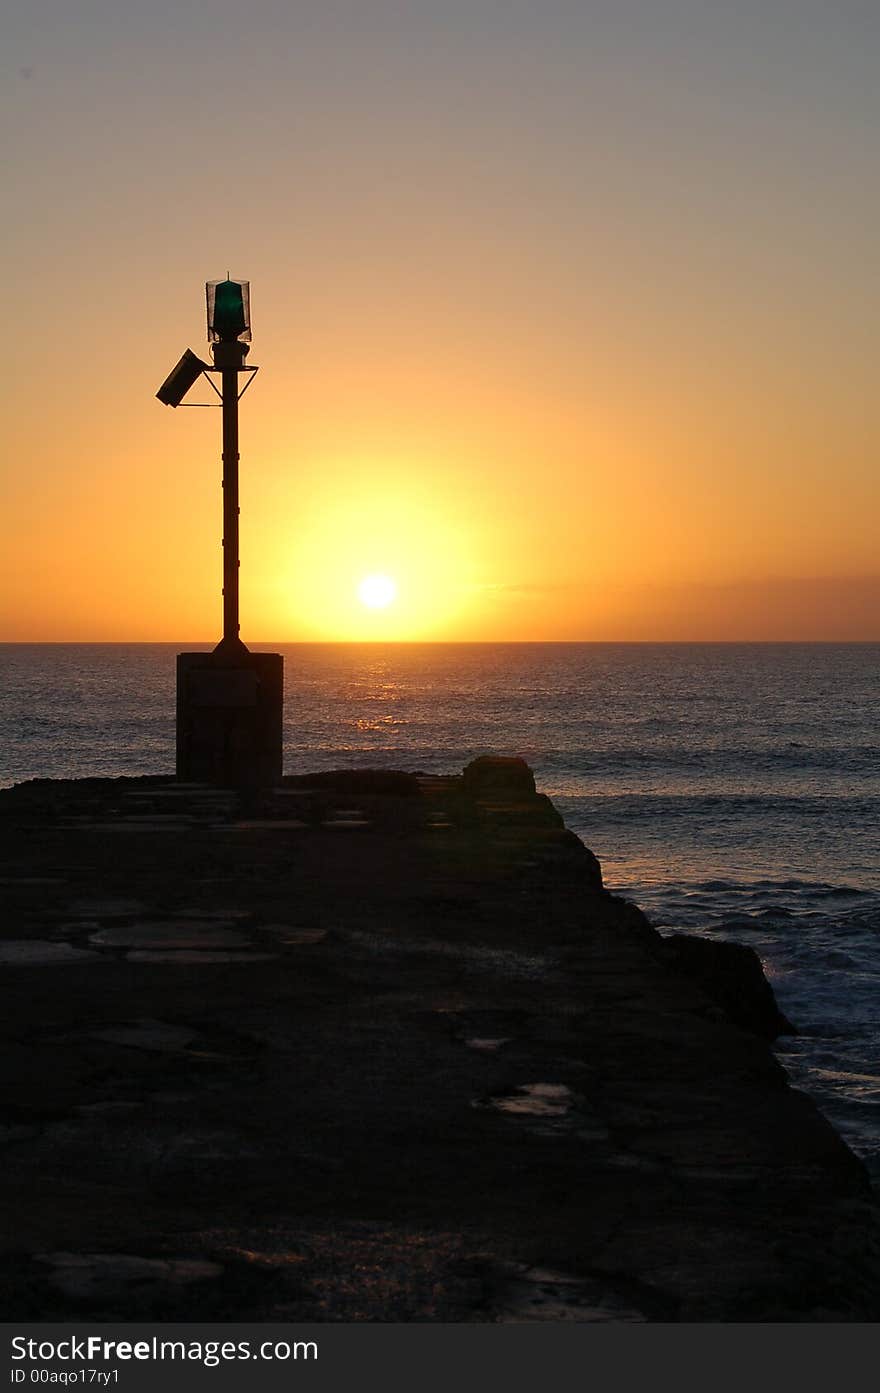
[(377, 592)]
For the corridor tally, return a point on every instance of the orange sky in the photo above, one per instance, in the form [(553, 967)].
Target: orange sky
[(569, 328)]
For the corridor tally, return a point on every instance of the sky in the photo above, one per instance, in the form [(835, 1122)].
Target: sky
[(565, 313)]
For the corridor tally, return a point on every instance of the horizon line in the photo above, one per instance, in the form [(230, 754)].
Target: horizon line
[(198, 645)]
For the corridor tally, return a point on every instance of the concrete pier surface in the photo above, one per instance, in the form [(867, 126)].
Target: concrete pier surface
[(381, 1047)]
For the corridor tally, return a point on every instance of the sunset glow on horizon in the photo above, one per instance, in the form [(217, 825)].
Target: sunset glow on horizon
[(565, 317)]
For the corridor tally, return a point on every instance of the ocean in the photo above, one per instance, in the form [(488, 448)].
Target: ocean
[(730, 790)]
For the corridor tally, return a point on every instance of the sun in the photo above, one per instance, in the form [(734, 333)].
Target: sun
[(377, 592)]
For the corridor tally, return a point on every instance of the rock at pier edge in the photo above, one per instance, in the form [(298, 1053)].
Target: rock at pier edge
[(379, 1046)]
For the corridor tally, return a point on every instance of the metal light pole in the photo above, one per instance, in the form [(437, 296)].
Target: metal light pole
[(229, 700), (229, 328), (231, 564)]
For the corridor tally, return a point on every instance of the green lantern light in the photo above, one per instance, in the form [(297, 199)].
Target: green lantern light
[(229, 311)]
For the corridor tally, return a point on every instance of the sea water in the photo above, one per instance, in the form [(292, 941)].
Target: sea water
[(731, 790)]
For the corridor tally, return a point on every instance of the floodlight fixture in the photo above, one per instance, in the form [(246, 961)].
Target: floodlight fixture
[(181, 377), (229, 311)]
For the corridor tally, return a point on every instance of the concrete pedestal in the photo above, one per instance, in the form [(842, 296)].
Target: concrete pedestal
[(229, 712)]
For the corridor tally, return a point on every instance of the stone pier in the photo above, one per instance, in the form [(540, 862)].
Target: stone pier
[(374, 1046)]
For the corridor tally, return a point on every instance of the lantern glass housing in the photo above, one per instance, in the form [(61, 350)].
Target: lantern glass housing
[(229, 311)]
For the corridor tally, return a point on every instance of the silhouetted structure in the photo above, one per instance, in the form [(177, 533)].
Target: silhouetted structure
[(229, 701)]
